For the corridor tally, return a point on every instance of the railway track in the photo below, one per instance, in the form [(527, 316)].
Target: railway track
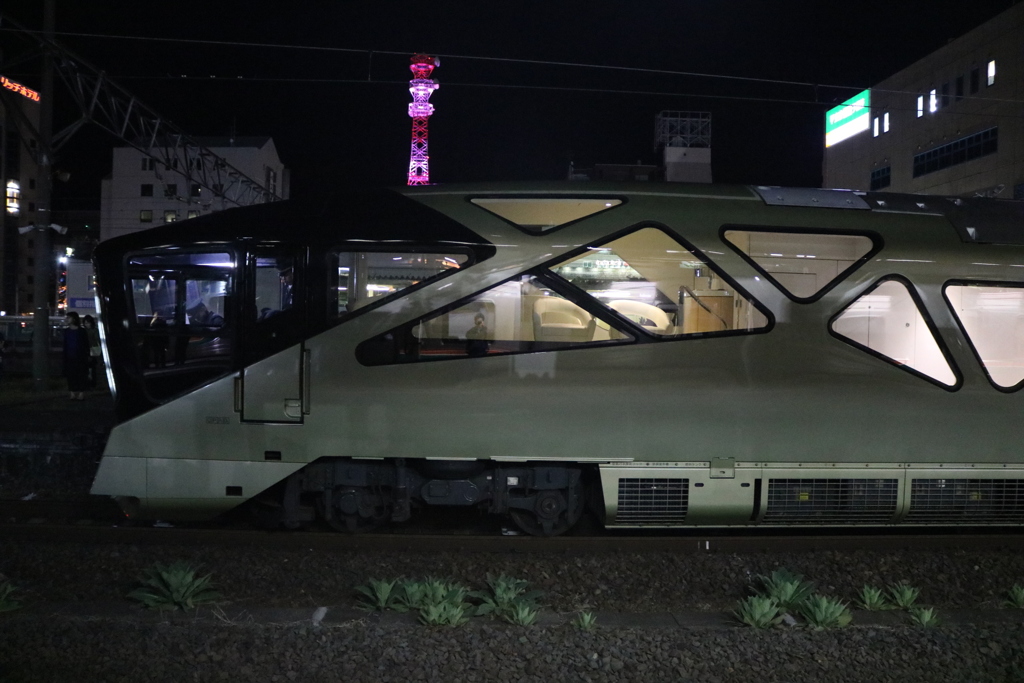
[(99, 521)]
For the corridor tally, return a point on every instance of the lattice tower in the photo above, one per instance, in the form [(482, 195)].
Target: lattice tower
[(421, 87)]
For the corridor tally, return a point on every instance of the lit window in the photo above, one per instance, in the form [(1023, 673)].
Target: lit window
[(537, 215), (358, 279), (933, 102), (13, 197), (991, 73), (193, 213), (146, 216), (885, 122), (992, 318), (887, 322), (802, 264), (874, 127), (522, 315), (170, 216), (654, 281), (920, 106)]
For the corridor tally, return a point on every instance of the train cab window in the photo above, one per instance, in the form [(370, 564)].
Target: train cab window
[(181, 324), (887, 322), (539, 215), (358, 279), (992, 318), (665, 288), (802, 264), (521, 315)]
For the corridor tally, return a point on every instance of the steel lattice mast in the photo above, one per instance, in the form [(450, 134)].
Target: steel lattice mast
[(421, 87)]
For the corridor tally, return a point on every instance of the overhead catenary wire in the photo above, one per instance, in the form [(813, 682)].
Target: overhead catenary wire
[(532, 62)]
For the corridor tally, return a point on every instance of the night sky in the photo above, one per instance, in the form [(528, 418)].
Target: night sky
[(339, 118)]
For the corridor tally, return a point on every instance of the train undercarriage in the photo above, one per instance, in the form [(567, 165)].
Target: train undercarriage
[(361, 495)]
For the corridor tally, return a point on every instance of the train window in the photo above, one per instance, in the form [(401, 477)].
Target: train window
[(992, 318), (273, 284), (362, 278), (650, 278), (181, 323), (521, 315), (539, 215), (802, 264), (887, 321)]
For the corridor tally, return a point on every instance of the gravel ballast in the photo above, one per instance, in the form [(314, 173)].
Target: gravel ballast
[(44, 643)]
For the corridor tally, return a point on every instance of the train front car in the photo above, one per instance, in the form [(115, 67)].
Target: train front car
[(675, 355)]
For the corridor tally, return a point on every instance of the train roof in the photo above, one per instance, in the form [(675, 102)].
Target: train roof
[(394, 215)]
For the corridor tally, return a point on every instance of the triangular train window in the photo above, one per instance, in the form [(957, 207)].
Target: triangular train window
[(887, 321), (540, 215), (802, 264)]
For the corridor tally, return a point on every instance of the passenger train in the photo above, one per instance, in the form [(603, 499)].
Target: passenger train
[(669, 355)]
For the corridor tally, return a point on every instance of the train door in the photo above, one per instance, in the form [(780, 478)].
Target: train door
[(274, 377)]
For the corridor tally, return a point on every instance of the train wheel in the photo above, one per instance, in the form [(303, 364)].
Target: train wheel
[(355, 509), (554, 511)]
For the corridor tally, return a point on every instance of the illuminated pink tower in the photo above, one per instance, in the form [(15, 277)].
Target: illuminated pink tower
[(421, 86)]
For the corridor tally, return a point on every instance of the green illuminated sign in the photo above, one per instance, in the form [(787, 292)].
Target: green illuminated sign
[(849, 118)]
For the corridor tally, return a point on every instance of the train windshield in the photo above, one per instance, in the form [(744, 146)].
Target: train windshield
[(181, 320)]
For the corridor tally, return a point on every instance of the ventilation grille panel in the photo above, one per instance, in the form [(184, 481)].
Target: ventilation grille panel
[(966, 501), (835, 501), (653, 501)]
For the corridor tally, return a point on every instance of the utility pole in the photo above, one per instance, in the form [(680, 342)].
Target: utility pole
[(44, 217)]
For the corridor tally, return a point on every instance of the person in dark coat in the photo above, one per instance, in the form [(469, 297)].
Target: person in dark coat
[(76, 357)]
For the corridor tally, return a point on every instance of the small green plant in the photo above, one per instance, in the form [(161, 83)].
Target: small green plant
[(821, 612), (1016, 597), (872, 598), (506, 594), (788, 589), (521, 614), (173, 587), (904, 595), (925, 617), (431, 592), (8, 603), (759, 611), (585, 621), (445, 614), (379, 595)]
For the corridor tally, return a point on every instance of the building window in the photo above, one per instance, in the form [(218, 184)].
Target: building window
[(171, 190), (193, 213), (933, 102), (880, 178), (170, 216), (146, 190), (30, 261), (874, 127), (991, 78), (959, 88), (195, 190), (945, 95), (31, 207), (31, 183), (957, 152), (148, 164), (13, 197), (975, 80), (146, 216), (885, 122), (920, 106)]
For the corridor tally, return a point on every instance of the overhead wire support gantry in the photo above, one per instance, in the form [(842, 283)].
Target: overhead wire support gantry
[(106, 104)]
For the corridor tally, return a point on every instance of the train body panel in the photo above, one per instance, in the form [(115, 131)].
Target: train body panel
[(733, 401)]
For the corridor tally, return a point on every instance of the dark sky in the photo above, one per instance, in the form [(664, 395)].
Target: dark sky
[(339, 118)]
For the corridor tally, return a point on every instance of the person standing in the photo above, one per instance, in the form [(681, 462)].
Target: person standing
[(93, 334), (76, 357)]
